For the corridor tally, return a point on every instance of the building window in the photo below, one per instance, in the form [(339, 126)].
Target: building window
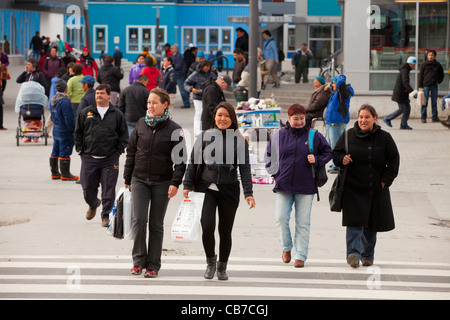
[(393, 38), (100, 38), (139, 37), (208, 39), (324, 40)]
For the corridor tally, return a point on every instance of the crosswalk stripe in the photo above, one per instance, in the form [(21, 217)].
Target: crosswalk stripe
[(234, 279), (262, 292), (341, 268), (202, 258), (320, 278)]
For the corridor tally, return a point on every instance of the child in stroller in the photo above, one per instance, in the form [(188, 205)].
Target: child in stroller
[(30, 104)]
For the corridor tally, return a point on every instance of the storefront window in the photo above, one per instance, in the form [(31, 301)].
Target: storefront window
[(393, 38), (324, 40)]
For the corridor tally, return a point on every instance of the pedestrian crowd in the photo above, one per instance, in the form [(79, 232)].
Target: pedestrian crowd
[(105, 122)]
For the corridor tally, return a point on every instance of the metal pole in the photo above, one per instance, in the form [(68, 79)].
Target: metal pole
[(252, 47), (416, 76)]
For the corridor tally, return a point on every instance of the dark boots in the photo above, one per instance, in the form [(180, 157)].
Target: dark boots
[(54, 168), (222, 270), (64, 164), (211, 267)]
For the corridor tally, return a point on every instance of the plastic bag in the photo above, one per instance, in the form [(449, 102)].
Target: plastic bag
[(420, 98), (186, 225), (120, 216)]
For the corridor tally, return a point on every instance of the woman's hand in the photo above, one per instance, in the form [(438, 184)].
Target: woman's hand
[(186, 193), (347, 159), (128, 186), (172, 191), (311, 158), (250, 201)]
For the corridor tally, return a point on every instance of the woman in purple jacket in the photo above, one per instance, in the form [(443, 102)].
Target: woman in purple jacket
[(289, 161)]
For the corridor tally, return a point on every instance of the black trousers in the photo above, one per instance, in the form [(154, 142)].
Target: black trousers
[(226, 200), (94, 172), (150, 203)]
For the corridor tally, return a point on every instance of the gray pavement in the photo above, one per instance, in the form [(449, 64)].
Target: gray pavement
[(39, 216)]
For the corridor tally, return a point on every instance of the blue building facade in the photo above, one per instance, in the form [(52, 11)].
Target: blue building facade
[(131, 25)]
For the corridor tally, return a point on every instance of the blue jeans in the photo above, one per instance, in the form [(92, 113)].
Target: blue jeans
[(434, 94), (130, 126), (443, 100), (334, 131), (404, 108), (302, 204), (361, 242), (184, 93)]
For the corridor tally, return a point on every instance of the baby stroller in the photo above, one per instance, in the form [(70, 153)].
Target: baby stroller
[(30, 106)]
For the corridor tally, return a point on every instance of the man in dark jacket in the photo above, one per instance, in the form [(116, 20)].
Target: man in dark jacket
[(242, 39), (401, 92), (133, 102), (32, 73), (239, 65), (431, 74), (169, 82), (212, 96), (87, 84), (101, 136), (52, 64), (112, 76)]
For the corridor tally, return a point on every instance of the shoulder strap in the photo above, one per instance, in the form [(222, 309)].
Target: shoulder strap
[(311, 134), (346, 141)]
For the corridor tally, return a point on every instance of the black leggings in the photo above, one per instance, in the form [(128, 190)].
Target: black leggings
[(226, 200)]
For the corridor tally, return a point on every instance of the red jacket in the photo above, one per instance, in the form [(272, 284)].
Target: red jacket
[(153, 75), (89, 65)]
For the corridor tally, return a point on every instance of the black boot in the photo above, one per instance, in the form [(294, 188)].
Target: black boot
[(54, 168), (211, 267), (222, 270), (64, 164)]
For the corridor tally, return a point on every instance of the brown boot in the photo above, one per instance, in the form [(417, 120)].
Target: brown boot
[(90, 214)]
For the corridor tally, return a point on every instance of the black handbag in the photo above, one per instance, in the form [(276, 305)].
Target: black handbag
[(335, 196), (319, 173)]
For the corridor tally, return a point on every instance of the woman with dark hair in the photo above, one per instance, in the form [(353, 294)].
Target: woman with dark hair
[(372, 165), (153, 178), (288, 159), (223, 151)]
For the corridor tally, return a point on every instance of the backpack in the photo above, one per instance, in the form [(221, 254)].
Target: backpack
[(319, 173)]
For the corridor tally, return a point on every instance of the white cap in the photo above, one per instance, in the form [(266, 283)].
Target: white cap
[(411, 60)]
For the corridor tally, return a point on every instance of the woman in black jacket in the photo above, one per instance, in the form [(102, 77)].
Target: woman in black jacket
[(222, 150), (153, 175), (372, 165)]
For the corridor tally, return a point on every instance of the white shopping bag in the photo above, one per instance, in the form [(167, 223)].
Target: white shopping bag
[(186, 225), (127, 215), (420, 99)]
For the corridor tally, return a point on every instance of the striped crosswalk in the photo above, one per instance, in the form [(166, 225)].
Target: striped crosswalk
[(181, 277)]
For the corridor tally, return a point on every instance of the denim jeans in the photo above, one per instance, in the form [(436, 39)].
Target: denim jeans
[(62, 145), (334, 131), (443, 101), (184, 93), (130, 126), (403, 108), (361, 242), (434, 93), (302, 205), (145, 194)]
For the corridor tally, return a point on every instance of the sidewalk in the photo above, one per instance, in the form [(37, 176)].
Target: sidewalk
[(41, 216)]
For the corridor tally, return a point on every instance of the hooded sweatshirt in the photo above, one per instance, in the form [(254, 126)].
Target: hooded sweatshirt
[(62, 115)]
